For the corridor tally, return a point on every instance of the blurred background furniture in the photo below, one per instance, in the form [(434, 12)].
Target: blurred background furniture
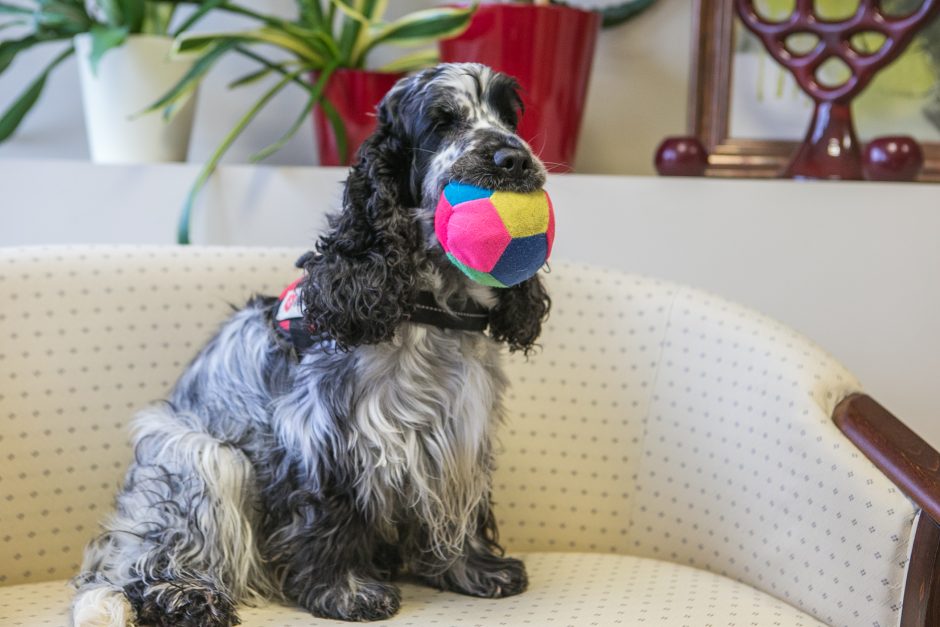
[(749, 111), (668, 455)]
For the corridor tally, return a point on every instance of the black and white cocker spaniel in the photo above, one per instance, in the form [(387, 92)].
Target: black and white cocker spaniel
[(311, 460)]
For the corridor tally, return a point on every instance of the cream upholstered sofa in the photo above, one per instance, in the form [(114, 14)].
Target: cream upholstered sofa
[(669, 458)]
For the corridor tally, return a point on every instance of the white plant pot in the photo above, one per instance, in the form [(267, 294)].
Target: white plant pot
[(129, 78)]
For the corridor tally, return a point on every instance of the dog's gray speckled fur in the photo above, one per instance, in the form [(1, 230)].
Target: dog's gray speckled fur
[(316, 477)]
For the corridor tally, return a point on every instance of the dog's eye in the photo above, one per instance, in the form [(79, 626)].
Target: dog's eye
[(510, 116), (503, 98), (510, 110), (444, 119)]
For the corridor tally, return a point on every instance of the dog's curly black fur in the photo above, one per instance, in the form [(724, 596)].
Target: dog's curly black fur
[(317, 476), (362, 283)]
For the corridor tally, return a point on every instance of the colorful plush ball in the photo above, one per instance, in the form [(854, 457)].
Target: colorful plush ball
[(496, 238)]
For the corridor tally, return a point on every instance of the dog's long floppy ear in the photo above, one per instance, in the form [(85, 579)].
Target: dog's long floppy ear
[(518, 315), (360, 283)]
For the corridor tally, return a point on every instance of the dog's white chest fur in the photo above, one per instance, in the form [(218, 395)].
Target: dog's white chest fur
[(425, 405)]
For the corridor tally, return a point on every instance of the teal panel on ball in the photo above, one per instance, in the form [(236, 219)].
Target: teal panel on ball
[(457, 193), (483, 278)]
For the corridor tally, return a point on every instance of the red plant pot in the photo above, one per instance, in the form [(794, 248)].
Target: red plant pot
[(354, 94), (549, 50)]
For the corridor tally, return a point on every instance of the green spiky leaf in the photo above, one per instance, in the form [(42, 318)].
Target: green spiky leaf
[(103, 39), (14, 115), (620, 13), (133, 15), (351, 12), (13, 23), (188, 83), (250, 78), (419, 28), (10, 48), (311, 13), (213, 162), (411, 62), (14, 9), (190, 43), (339, 130), (157, 17), (65, 17), (275, 67), (197, 15), (316, 93)]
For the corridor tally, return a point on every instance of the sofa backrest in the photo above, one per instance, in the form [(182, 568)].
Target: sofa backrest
[(654, 420), (89, 335), (575, 427)]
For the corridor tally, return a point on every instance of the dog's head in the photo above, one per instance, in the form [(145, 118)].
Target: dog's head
[(453, 122), (461, 121)]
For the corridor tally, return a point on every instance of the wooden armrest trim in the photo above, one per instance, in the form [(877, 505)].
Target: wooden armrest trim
[(912, 464), (920, 607)]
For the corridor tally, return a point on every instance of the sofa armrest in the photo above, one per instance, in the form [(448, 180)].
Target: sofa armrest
[(746, 474), (914, 466)]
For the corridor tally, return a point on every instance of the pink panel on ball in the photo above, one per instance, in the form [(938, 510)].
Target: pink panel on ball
[(441, 217), (475, 234)]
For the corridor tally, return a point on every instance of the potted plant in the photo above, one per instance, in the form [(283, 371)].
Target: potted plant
[(327, 45), (542, 43), (124, 63)]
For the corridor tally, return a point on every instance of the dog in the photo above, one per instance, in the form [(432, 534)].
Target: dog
[(312, 459)]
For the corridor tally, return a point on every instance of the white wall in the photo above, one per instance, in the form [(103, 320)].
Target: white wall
[(638, 90), (855, 266), (637, 96)]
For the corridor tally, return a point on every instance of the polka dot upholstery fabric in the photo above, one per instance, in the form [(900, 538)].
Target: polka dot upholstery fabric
[(662, 421), (566, 590), (655, 421), (576, 413), (87, 337), (745, 474)]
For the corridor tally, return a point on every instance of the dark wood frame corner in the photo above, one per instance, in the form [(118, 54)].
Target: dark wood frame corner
[(709, 105), (913, 466)]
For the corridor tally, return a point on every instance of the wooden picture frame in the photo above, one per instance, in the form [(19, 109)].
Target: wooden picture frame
[(709, 104)]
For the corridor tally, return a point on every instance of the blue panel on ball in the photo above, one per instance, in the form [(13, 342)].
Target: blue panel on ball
[(521, 259), (457, 193)]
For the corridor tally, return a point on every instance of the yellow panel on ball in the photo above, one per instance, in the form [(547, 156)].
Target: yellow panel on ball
[(523, 214)]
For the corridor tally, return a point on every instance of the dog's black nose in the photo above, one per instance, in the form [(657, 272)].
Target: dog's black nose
[(514, 160)]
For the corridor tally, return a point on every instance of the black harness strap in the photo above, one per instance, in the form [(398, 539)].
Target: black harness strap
[(471, 317), (288, 318)]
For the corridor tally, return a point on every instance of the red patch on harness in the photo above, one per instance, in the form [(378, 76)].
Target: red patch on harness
[(291, 306)]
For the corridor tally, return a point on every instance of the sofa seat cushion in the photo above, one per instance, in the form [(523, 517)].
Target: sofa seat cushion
[(576, 589)]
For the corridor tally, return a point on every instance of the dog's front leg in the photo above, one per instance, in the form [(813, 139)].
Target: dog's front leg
[(480, 569), (328, 551)]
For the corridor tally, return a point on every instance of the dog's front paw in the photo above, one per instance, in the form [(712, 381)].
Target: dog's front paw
[(504, 577), (353, 599), (490, 577), (185, 604)]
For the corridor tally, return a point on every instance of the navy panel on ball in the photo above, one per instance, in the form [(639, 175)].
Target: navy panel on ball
[(521, 259)]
